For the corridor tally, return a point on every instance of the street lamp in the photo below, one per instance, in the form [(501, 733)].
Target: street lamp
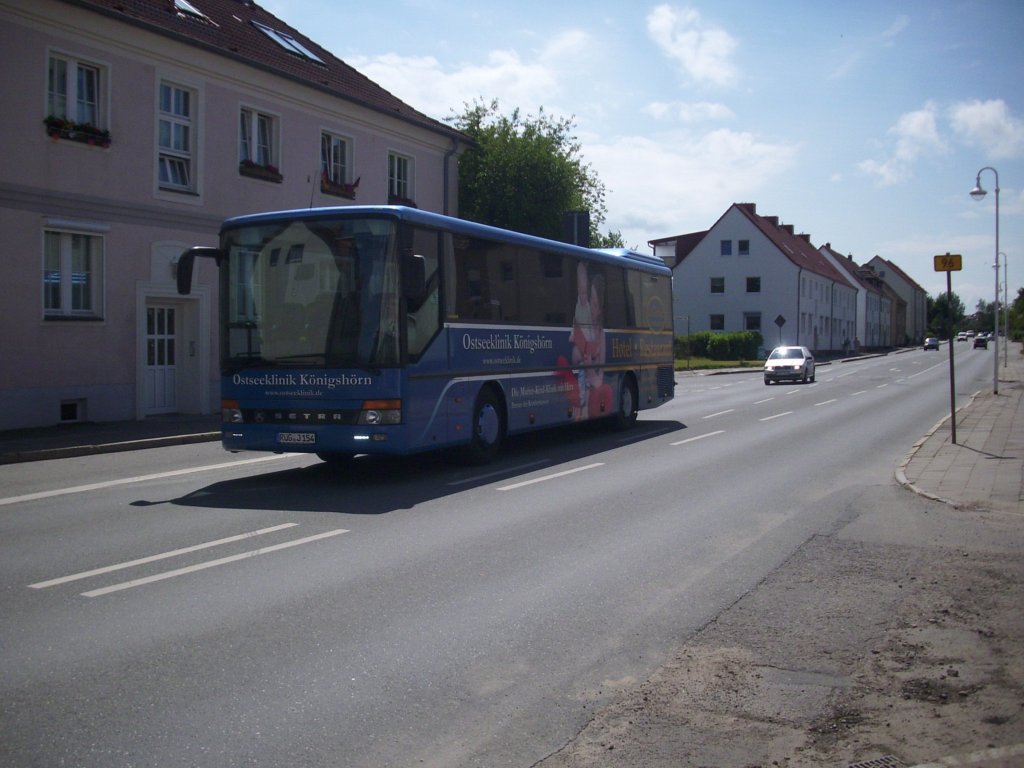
[(978, 193), (1006, 312)]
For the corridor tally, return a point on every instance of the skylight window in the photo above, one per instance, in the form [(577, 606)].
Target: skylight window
[(288, 42), (184, 6)]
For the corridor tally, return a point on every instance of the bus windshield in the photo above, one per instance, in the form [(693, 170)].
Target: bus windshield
[(314, 293)]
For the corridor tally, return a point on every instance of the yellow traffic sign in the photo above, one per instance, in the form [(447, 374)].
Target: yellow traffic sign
[(949, 262)]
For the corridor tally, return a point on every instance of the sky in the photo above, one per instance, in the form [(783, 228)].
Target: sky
[(863, 123)]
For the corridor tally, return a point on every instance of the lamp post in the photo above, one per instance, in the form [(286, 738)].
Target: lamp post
[(978, 193), (1006, 312)]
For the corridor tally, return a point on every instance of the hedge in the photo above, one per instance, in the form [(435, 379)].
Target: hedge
[(741, 345)]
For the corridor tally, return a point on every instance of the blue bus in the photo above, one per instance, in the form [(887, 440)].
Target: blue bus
[(391, 330)]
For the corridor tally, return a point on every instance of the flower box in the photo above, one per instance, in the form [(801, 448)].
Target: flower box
[(398, 200), (58, 128), (256, 171), (329, 187)]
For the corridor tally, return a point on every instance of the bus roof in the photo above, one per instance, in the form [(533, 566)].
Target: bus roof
[(633, 259)]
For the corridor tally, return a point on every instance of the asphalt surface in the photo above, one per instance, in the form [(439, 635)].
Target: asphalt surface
[(982, 471)]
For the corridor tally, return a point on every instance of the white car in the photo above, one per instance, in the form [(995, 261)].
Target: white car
[(792, 363)]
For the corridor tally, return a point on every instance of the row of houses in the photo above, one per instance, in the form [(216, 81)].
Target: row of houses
[(134, 128), (751, 272)]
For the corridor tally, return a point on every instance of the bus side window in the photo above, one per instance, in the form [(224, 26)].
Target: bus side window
[(423, 320)]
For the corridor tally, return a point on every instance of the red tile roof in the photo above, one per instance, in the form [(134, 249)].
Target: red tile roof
[(796, 247), (226, 28)]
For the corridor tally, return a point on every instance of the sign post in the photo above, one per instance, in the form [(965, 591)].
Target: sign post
[(949, 263)]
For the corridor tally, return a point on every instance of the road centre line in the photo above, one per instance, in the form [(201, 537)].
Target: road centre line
[(161, 556), (720, 413), (136, 479), (825, 402), (698, 437), (767, 399), (513, 486), (862, 392), (209, 564), (776, 416)]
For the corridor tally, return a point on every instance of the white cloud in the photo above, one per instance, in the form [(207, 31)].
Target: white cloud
[(680, 182), (889, 36), (424, 83), (916, 134), (703, 51), (989, 126), (689, 112)]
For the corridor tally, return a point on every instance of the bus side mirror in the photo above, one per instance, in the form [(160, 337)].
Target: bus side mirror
[(186, 263), (414, 278)]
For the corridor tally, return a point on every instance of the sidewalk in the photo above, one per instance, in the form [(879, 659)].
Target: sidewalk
[(985, 468)]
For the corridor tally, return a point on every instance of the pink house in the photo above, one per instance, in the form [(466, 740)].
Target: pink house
[(134, 128)]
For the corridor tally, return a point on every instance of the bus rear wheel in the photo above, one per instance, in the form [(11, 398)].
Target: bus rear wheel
[(488, 428), (625, 416)]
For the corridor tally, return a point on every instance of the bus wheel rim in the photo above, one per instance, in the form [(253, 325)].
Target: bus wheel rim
[(488, 425)]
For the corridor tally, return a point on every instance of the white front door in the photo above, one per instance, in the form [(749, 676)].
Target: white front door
[(161, 359)]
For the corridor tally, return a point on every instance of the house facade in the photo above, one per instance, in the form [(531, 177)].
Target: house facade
[(751, 272), (911, 326), (139, 128), (873, 307)]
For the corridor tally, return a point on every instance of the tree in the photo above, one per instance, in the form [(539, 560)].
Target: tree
[(1016, 329), (525, 172), (984, 316), (940, 324)]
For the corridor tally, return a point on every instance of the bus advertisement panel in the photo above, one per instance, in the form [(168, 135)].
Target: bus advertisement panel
[(392, 330)]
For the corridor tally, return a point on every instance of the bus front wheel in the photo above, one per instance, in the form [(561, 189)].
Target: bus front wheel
[(488, 428), (625, 416)]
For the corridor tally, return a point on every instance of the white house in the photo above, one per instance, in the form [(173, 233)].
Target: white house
[(915, 320), (134, 129), (750, 272), (873, 307)]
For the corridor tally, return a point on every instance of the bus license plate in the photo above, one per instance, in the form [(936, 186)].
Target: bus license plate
[(296, 438)]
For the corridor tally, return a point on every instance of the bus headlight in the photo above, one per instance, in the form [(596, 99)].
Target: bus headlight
[(381, 412), (230, 413)]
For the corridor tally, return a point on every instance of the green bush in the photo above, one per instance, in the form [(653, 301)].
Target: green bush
[(742, 345)]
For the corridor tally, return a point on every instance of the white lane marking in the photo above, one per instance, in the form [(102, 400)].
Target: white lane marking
[(776, 416), (513, 486), (698, 437), (825, 402), (509, 470), (767, 399), (209, 564), (881, 386), (862, 392), (931, 368), (161, 556), (136, 479), (720, 413)]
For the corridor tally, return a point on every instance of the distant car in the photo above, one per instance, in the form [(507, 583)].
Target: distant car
[(792, 363), (962, 336), (931, 343), (981, 342)]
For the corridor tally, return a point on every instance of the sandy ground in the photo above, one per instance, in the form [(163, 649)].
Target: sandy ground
[(855, 652)]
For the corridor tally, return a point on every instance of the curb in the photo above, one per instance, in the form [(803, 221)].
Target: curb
[(45, 454), (901, 474)]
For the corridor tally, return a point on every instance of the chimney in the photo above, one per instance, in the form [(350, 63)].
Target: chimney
[(805, 237), (773, 220), (787, 227)]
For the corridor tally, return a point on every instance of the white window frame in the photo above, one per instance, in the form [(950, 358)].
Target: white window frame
[(259, 137), (67, 94), (401, 176), (336, 157), (59, 246), (172, 152)]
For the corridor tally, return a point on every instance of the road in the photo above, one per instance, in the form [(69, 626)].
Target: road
[(187, 607)]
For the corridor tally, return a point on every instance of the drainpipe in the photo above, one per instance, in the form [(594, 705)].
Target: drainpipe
[(447, 176), (799, 285)]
